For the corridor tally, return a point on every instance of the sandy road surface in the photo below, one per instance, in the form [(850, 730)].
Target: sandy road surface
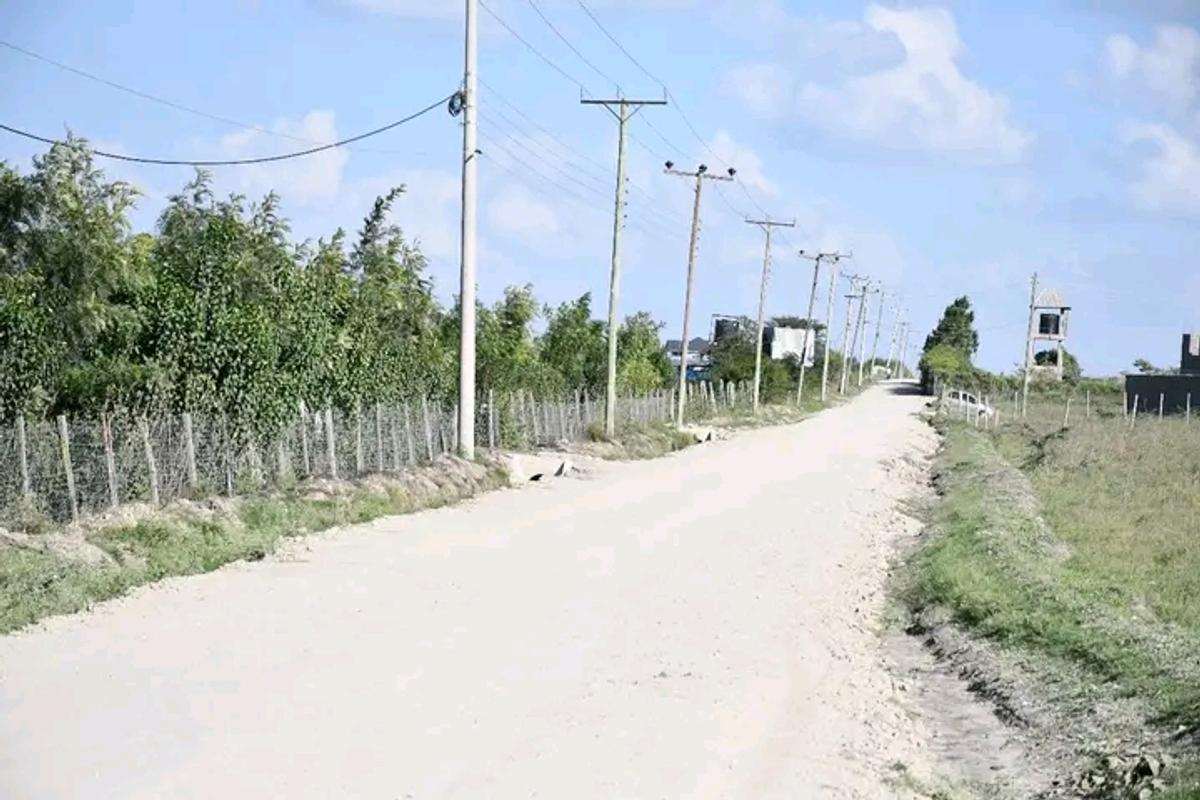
[(697, 626)]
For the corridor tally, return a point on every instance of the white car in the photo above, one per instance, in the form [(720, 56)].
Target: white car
[(964, 404)]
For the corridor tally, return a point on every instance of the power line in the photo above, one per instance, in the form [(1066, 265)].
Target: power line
[(674, 102), (648, 228), (543, 129), (161, 100), (568, 152), (549, 62), (619, 46), (241, 161), (556, 167), (572, 47), (571, 151)]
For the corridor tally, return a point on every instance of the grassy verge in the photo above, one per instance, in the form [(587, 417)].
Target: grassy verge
[(634, 442), (1065, 560), (191, 538)]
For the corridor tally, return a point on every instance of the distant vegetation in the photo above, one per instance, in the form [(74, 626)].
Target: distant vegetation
[(221, 312)]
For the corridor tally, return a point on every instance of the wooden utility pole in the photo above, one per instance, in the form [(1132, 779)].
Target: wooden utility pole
[(1029, 346), (466, 356), (625, 111), (767, 225), (700, 175)]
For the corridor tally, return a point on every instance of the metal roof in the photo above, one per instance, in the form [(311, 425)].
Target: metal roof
[(1050, 298)]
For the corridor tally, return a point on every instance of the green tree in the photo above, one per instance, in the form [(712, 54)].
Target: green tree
[(642, 363), (67, 225), (575, 345), (1071, 370), (733, 359), (956, 329), (947, 363), (1145, 367)]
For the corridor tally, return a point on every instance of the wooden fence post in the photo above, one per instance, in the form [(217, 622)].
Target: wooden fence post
[(1160, 405), (189, 451), (151, 464), (360, 465), (304, 441), (1067, 413), (428, 432), (227, 455), (537, 434), (1087, 412), (491, 403), (282, 462), (393, 419), (110, 461), (23, 458), (1187, 418), (330, 443), (408, 436), (380, 458), (1133, 414), (64, 439)]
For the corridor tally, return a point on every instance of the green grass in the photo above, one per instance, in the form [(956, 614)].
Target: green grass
[(34, 585), (1126, 501), (1085, 557)]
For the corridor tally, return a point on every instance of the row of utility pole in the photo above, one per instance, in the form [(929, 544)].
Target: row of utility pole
[(623, 110)]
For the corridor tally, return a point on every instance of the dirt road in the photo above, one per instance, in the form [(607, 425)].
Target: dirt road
[(696, 626)]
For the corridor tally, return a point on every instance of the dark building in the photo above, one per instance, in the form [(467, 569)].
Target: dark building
[(1176, 391), (699, 357)]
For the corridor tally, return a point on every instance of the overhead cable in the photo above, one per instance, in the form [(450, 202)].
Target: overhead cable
[(242, 161)]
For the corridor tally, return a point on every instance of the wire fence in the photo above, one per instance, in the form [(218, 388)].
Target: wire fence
[(61, 469), (1064, 408)]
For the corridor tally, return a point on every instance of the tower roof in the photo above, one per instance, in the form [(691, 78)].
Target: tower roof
[(1050, 298)]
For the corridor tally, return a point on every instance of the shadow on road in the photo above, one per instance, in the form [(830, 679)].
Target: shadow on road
[(905, 388)]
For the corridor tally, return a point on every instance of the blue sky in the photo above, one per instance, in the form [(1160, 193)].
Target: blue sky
[(954, 148)]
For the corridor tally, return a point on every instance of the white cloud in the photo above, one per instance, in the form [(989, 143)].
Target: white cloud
[(925, 101), (1122, 55), (747, 162), (1170, 177), (921, 100), (763, 88), (315, 177), (1169, 66), (517, 213)]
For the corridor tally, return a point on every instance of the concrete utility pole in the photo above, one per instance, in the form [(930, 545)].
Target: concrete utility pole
[(894, 361), (808, 319), (904, 345), (895, 340), (701, 174), (466, 351), (625, 111), (833, 276), (862, 337), (878, 329), (766, 225), (1033, 282), (847, 347)]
